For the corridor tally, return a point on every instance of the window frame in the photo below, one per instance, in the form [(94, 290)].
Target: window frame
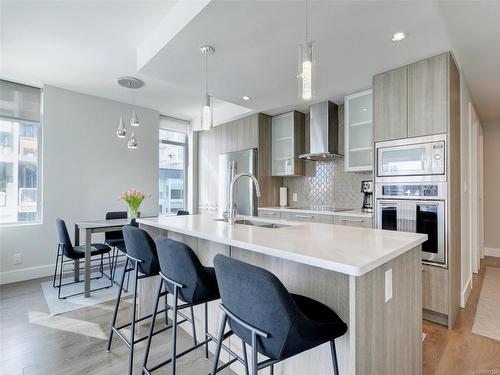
[(186, 162), (39, 164)]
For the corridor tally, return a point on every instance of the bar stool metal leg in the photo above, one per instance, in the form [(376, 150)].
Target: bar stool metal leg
[(117, 305), (205, 308), (57, 264), (152, 326), (245, 358), (334, 358), (132, 327), (174, 333), (195, 341), (220, 337), (254, 354)]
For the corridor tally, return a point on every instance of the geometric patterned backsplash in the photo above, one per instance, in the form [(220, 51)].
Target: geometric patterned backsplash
[(327, 184)]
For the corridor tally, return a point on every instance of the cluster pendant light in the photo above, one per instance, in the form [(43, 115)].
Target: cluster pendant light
[(132, 84), (306, 63), (206, 99)]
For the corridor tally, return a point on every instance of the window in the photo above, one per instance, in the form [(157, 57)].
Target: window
[(173, 168), (20, 142)]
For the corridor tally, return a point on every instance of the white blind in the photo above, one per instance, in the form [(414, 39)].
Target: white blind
[(170, 123), (20, 102)]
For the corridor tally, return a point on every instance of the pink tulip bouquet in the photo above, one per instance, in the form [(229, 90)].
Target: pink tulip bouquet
[(133, 198)]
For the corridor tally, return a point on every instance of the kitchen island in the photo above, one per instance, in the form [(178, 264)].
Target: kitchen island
[(371, 278)]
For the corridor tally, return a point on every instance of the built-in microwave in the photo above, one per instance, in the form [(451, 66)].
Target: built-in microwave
[(420, 156)]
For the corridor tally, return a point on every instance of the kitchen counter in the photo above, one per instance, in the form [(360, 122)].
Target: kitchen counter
[(339, 212), (371, 278), (348, 250)]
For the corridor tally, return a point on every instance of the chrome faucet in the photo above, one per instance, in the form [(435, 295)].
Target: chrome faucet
[(231, 217)]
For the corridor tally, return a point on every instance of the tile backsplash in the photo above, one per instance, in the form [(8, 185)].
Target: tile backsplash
[(327, 184)]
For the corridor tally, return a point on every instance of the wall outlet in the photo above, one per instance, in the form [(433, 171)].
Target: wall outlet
[(388, 285), (294, 197), (17, 259)]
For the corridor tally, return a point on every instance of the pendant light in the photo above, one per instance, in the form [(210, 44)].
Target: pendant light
[(132, 142), (121, 132), (206, 100), (306, 64), (131, 83)]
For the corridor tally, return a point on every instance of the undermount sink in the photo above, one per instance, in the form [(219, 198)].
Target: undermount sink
[(256, 223)]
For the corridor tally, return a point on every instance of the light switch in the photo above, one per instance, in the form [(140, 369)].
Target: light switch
[(388, 285), (294, 197)]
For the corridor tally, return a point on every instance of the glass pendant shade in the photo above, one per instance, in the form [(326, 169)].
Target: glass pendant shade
[(121, 132), (132, 142), (206, 112), (306, 72), (134, 121)]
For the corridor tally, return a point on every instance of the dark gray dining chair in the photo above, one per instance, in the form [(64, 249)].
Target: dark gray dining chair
[(74, 253), (274, 322)]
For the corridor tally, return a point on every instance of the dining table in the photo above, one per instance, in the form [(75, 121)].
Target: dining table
[(91, 227)]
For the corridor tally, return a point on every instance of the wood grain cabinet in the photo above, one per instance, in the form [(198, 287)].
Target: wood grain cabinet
[(390, 104), (428, 96), (435, 289), (358, 132), (365, 222), (287, 143), (313, 218)]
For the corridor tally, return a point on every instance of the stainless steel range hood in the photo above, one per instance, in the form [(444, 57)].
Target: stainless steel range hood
[(323, 132)]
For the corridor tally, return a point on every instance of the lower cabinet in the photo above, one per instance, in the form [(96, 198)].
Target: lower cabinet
[(314, 218), (365, 222), (435, 289), (270, 214)]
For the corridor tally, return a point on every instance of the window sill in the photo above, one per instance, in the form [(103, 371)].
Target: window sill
[(21, 224)]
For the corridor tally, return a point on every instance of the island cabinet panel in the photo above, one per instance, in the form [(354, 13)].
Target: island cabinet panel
[(388, 334), (390, 104), (428, 96), (435, 289)]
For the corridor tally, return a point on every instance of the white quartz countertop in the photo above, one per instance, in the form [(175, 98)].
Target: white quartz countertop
[(340, 212), (350, 250)]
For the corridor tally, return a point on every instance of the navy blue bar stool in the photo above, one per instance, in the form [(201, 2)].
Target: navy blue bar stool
[(190, 283), (142, 259), (74, 253), (275, 323), (182, 213)]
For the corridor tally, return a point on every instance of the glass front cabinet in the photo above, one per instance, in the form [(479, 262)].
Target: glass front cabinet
[(358, 128), (287, 144)]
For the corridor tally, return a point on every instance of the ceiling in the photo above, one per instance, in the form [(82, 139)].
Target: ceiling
[(85, 46)]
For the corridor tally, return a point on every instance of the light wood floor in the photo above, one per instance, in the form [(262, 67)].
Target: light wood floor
[(459, 351), (74, 343), (31, 342)]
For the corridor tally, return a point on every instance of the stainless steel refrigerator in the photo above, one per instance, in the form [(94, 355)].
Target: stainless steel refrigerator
[(230, 164)]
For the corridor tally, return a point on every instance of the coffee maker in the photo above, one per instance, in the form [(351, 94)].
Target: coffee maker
[(367, 190)]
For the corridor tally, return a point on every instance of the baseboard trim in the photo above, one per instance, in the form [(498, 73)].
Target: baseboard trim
[(26, 274), (435, 317), (464, 296), (492, 252)]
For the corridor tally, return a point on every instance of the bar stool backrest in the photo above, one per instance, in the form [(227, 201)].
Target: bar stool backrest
[(257, 297), (113, 215), (64, 240), (141, 246), (179, 263)]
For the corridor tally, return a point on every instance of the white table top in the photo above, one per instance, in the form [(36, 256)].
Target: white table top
[(349, 250), (93, 224)]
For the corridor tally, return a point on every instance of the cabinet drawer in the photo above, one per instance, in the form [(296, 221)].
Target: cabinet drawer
[(270, 214), (365, 222), (314, 218)]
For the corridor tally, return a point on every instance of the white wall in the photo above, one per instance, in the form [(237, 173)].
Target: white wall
[(85, 167), (491, 149)]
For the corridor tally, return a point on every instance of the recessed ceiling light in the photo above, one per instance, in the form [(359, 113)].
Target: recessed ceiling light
[(246, 98), (398, 37)]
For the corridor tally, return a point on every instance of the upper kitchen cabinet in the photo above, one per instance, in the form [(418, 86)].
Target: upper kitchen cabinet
[(428, 96), (287, 143), (358, 132), (390, 104)]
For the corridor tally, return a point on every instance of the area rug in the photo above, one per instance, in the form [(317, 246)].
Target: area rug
[(57, 306), (487, 320)]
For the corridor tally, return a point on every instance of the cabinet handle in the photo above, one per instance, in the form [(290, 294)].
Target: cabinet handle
[(304, 216), (353, 220)]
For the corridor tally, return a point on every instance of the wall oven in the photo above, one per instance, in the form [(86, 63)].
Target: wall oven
[(415, 207), (421, 156)]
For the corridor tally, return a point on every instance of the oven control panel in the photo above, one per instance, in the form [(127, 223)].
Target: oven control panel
[(418, 191)]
